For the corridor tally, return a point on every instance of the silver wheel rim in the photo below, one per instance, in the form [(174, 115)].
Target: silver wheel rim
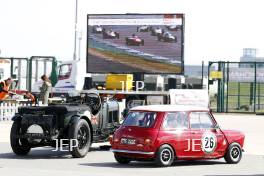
[(235, 153), (165, 156)]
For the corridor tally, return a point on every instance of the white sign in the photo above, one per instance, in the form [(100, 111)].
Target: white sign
[(155, 100), (246, 74), (194, 97)]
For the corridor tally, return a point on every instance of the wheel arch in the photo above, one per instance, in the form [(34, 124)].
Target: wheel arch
[(90, 125), (78, 117), (16, 117)]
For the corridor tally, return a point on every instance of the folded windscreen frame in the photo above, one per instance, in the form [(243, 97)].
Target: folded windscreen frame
[(135, 43)]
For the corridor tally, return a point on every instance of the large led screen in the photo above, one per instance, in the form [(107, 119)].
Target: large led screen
[(135, 43)]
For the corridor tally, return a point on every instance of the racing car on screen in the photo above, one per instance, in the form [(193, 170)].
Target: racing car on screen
[(156, 31), (167, 37), (97, 29), (134, 41), (174, 27), (110, 34), (144, 28), (164, 133)]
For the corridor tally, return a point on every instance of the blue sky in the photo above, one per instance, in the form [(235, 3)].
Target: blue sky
[(215, 30)]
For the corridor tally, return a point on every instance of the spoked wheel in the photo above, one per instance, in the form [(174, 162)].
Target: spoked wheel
[(233, 154), (81, 135), (165, 156), (19, 146)]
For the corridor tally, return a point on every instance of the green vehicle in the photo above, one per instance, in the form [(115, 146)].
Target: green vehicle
[(78, 123)]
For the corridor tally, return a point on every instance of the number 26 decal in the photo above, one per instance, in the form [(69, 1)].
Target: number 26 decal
[(209, 142)]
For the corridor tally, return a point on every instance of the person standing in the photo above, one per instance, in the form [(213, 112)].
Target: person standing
[(45, 89), (4, 88)]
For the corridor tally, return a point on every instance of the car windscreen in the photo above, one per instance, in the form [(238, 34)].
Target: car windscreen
[(140, 119), (64, 71)]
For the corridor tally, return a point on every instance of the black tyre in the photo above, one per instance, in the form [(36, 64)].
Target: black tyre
[(121, 159), (18, 145), (165, 156), (80, 131), (233, 154)]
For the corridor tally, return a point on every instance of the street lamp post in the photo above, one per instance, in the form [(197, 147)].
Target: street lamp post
[(79, 50), (75, 29)]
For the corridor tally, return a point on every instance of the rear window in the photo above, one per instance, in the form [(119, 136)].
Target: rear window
[(140, 119), (176, 120)]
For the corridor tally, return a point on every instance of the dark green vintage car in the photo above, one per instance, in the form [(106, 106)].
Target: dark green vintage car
[(75, 124)]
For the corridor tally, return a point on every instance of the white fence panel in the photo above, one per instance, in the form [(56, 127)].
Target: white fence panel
[(8, 110)]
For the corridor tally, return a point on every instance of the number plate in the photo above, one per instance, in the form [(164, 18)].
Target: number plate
[(128, 141)]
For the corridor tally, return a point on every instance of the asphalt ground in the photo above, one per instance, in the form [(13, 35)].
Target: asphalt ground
[(43, 161)]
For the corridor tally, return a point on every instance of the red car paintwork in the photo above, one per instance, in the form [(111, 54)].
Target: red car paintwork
[(186, 143)]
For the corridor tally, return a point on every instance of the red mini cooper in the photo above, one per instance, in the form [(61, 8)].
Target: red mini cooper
[(164, 133)]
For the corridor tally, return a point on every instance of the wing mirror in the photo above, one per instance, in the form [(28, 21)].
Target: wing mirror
[(125, 113), (216, 127)]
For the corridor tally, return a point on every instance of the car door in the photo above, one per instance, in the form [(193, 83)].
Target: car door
[(206, 140), (175, 131)]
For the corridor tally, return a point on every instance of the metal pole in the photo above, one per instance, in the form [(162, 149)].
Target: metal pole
[(36, 72), (223, 88), (75, 29), (227, 80), (79, 49), (208, 72), (12, 67), (45, 66), (238, 97), (255, 87), (219, 90), (30, 74), (19, 74), (27, 75), (258, 96), (202, 73)]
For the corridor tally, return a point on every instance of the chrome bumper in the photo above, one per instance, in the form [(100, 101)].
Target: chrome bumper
[(132, 152)]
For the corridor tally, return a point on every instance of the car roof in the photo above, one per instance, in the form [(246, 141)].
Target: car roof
[(169, 108)]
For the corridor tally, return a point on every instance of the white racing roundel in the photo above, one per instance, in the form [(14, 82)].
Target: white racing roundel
[(209, 142)]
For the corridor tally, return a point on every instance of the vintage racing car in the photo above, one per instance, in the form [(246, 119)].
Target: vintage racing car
[(164, 133), (97, 29), (174, 27), (110, 34), (144, 28), (74, 124), (134, 40), (156, 31), (167, 37)]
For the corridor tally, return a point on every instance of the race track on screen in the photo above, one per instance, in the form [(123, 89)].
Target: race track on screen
[(113, 55)]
